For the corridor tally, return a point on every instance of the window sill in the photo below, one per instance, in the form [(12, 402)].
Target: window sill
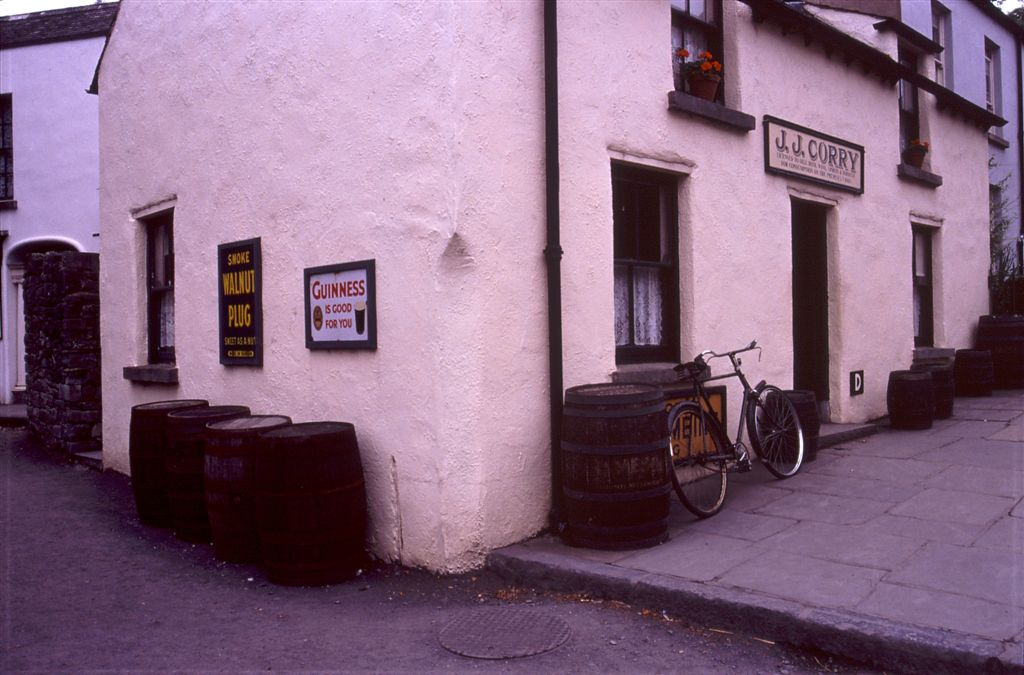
[(8, 204), (912, 173), (646, 373), (154, 373), (998, 141), (709, 110)]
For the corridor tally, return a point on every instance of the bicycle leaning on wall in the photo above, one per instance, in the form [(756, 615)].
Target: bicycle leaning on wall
[(703, 457)]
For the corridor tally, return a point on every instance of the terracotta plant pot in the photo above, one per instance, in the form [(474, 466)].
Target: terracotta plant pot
[(914, 156), (705, 87)]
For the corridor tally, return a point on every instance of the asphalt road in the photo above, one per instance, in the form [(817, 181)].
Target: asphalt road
[(85, 587)]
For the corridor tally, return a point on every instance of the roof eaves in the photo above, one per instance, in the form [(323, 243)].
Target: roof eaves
[(873, 61)]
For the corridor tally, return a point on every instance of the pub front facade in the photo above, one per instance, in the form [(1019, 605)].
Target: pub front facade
[(399, 167)]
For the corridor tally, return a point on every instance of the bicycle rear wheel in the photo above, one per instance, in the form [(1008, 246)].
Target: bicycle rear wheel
[(775, 432), (699, 482)]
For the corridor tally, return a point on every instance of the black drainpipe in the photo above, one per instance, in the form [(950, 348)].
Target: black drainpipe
[(553, 254), (1020, 162)]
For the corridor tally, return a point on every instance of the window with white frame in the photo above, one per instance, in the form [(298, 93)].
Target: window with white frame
[(992, 94), (942, 34)]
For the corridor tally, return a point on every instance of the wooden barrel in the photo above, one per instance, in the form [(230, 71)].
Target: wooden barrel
[(910, 399), (310, 503), (974, 373), (944, 385), (615, 466), (1003, 335), (806, 405), (147, 452), (230, 445), (186, 445)]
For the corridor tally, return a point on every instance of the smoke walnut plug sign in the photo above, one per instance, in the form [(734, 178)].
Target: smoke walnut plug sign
[(239, 273), (341, 311)]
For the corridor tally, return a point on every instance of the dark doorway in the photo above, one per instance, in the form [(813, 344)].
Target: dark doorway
[(810, 299)]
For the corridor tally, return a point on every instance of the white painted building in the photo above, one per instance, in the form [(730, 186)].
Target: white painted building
[(413, 134), (49, 158)]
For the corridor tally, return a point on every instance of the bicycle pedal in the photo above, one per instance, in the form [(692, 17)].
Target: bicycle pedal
[(743, 463)]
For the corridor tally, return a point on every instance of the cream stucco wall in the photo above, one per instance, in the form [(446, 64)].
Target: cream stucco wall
[(414, 136), (400, 132), (735, 248)]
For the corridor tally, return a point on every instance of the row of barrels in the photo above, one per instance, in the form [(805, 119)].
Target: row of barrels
[(262, 489), (926, 392)]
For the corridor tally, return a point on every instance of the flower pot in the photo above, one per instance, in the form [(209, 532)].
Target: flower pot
[(914, 156), (704, 86)]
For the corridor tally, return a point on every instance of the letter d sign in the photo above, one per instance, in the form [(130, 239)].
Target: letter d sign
[(856, 383)]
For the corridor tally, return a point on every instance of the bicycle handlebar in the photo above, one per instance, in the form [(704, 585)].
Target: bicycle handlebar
[(710, 354)]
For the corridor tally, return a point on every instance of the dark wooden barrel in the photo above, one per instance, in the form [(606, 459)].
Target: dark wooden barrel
[(186, 445), (615, 473), (806, 404), (310, 503), (230, 446), (147, 453), (944, 385), (974, 372), (910, 399), (1003, 335)]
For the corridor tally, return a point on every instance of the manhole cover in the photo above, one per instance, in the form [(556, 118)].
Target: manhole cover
[(503, 633)]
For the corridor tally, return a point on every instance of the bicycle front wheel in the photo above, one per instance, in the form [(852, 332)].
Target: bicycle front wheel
[(775, 432), (699, 481)]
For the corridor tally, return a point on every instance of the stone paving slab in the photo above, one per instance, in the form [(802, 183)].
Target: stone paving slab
[(980, 479), (826, 508), (954, 506), (944, 610), (986, 574), (900, 471), (844, 544)]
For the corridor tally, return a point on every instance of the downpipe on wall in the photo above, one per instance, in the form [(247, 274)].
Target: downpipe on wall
[(553, 255)]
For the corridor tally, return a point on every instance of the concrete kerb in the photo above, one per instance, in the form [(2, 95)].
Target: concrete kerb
[(883, 643)]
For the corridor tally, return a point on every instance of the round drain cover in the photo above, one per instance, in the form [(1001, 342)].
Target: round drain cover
[(503, 633)]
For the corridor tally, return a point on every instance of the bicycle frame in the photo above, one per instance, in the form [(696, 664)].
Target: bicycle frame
[(749, 392)]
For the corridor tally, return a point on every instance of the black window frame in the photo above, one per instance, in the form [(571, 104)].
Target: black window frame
[(630, 180), (7, 147), (160, 286), (909, 102), (685, 20), (923, 286)]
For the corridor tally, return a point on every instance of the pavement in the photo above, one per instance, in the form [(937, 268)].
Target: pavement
[(904, 549)]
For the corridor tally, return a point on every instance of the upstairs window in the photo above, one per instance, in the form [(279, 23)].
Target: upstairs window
[(646, 265), (6, 148), (910, 120), (697, 28), (160, 286), (992, 93), (941, 35)]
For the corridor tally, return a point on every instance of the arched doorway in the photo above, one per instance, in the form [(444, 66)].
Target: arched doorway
[(14, 335)]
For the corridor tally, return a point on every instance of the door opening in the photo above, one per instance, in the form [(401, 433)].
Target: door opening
[(810, 302)]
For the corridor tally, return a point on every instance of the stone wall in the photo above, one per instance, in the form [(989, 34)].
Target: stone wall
[(62, 349)]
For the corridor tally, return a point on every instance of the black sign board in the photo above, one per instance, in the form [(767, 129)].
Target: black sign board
[(240, 290), (341, 306)]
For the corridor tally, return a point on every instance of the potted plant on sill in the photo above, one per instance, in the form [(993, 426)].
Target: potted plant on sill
[(701, 75), (915, 152)]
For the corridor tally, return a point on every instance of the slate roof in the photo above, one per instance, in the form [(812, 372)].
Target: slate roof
[(72, 23)]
